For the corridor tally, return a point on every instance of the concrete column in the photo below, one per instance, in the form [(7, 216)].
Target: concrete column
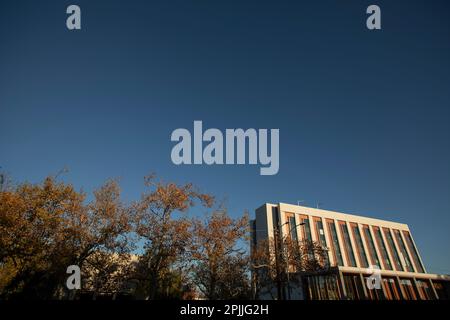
[(416, 288), (403, 295), (364, 286), (430, 282), (341, 280), (312, 225)]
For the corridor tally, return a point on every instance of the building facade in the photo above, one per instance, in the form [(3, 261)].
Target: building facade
[(367, 258)]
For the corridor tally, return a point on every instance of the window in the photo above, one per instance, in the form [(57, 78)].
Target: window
[(359, 245), (347, 244), (408, 289), (382, 248), (292, 235), (371, 246), (414, 253), (353, 287), (391, 289), (306, 230), (402, 247), (392, 249), (292, 227), (335, 243), (322, 287), (321, 235), (424, 289)]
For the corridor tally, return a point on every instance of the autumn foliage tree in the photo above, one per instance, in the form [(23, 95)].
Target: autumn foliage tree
[(219, 262), (46, 227), (151, 248), (162, 225)]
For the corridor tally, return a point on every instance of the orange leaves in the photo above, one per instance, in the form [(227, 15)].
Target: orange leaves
[(160, 220), (48, 226), (218, 261), (219, 233), (170, 197)]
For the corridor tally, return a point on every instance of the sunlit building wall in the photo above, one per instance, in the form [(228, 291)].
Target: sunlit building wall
[(353, 244)]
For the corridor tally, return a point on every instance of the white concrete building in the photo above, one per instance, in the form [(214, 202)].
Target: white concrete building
[(353, 244)]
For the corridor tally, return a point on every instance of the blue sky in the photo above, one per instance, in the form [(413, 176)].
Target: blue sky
[(363, 116)]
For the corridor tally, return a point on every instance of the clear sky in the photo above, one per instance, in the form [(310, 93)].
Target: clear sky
[(363, 115)]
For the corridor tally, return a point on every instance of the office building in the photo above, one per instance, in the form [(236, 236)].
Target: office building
[(359, 251)]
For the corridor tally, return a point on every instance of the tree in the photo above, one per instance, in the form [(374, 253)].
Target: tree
[(278, 263), (98, 239), (30, 225), (107, 273), (219, 265), (46, 227), (265, 270), (165, 236)]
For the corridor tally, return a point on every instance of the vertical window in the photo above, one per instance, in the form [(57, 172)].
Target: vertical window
[(391, 289), (306, 236), (382, 247), (292, 234), (292, 228), (359, 245), (414, 253), (402, 247), (392, 249), (305, 227), (424, 290), (335, 243), (353, 287), (408, 289), (321, 235), (371, 246), (347, 244), (322, 287)]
